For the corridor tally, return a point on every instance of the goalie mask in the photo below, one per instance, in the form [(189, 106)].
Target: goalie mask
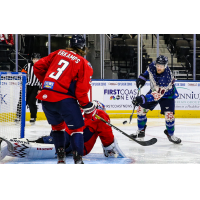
[(100, 105)]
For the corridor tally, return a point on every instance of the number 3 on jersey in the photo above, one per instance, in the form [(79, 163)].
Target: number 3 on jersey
[(56, 75)]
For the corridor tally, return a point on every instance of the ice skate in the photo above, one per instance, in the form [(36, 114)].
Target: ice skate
[(17, 121), (172, 138), (77, 158), (139, 135), (61, 156), (32, 121)]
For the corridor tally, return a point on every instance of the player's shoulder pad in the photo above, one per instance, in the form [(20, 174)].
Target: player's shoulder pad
[(153, 64)]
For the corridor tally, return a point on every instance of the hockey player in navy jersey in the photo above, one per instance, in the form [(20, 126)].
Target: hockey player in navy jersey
[(163, 92)]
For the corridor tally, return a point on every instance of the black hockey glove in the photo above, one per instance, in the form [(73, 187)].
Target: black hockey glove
[(139, 100), (140, 82)]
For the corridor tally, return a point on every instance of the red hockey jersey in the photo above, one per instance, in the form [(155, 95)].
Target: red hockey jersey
[(97, 125), (100, 128), (64, 74)]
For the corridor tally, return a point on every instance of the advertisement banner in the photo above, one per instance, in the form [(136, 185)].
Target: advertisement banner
[(189, 96), (118, 95), (9, 94)]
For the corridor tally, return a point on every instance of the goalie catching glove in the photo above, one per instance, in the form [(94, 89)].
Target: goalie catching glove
[(139, 100), (90, 110)]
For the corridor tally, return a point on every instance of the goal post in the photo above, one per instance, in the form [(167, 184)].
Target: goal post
[(13, 104)]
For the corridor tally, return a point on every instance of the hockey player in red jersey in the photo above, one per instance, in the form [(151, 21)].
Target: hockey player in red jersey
[(95, 128), (66, 76), (92, 129)]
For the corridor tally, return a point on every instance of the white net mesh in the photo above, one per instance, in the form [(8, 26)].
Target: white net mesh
[(11, 105)]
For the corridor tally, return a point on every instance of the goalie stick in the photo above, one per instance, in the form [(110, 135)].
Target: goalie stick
[(143, 143)]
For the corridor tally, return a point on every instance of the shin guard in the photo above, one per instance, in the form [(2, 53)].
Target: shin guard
[(170, 122), (77, 143), (141, 117), (58, 139)]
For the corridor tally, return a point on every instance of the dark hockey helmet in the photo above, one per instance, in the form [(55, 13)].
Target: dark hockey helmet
[(100, 105), (77, 41), (35, 55), (162, 60)]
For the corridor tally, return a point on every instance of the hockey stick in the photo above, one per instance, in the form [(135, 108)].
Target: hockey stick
[(134, 106), (143, 143), (10, 146)]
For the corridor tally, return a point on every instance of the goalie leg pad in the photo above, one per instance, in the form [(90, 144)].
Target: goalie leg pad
[(25, 149), (3, 150), (113, 150)]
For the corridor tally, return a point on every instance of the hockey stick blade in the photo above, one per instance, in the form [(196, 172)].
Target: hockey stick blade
[(10, 146), (143, 143)]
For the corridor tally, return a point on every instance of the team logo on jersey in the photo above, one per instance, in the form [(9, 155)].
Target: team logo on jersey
[(44, 96), (48, 84)]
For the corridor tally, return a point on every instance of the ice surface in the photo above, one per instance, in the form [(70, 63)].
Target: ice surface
[(163, 152)]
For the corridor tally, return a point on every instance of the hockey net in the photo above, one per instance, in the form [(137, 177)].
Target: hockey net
[(13, 104)]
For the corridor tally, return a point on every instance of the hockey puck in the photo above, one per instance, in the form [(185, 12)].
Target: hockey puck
[(124, 122)]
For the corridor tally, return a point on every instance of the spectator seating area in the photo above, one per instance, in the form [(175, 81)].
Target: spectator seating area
[(183, 48), (5, 51), (28, 44), (124, 57), (122, 52)]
